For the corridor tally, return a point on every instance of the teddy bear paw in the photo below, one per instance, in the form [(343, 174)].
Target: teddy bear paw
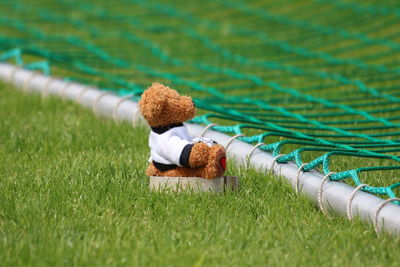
[(217, 162)]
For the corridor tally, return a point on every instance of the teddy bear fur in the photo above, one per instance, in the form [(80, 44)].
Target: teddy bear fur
[(162, 106)]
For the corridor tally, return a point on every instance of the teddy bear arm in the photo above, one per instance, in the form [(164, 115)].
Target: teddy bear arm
[(199, 155)]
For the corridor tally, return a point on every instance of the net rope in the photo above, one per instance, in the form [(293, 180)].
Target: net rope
[(313, 81)]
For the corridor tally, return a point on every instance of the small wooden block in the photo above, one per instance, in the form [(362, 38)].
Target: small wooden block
[(195, 184)]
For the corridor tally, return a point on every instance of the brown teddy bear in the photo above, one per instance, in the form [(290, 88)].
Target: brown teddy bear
[(173, 152)]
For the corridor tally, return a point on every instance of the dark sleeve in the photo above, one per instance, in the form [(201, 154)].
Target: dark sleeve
[(184, 159)]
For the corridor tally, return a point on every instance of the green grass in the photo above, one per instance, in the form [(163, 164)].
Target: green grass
[(73, 192), (72, 188)]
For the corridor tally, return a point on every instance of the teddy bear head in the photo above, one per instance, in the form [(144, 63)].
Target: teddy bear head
[(163, 106)]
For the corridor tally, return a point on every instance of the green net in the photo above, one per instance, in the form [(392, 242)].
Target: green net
[(314, 81)]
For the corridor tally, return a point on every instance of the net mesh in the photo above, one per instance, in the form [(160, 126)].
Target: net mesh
[(314, 81)]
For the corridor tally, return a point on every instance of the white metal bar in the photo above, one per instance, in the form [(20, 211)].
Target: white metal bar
[(335, 195)]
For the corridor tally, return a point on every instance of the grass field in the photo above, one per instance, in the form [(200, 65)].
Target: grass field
[(73, 189), (73, 192)]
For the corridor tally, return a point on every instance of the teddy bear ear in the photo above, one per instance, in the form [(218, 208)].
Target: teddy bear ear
[(151, 106)]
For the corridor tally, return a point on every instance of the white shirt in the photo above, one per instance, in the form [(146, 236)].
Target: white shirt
[(166, 148)]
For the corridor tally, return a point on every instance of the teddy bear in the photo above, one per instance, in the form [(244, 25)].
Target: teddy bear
[(173, 151)]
